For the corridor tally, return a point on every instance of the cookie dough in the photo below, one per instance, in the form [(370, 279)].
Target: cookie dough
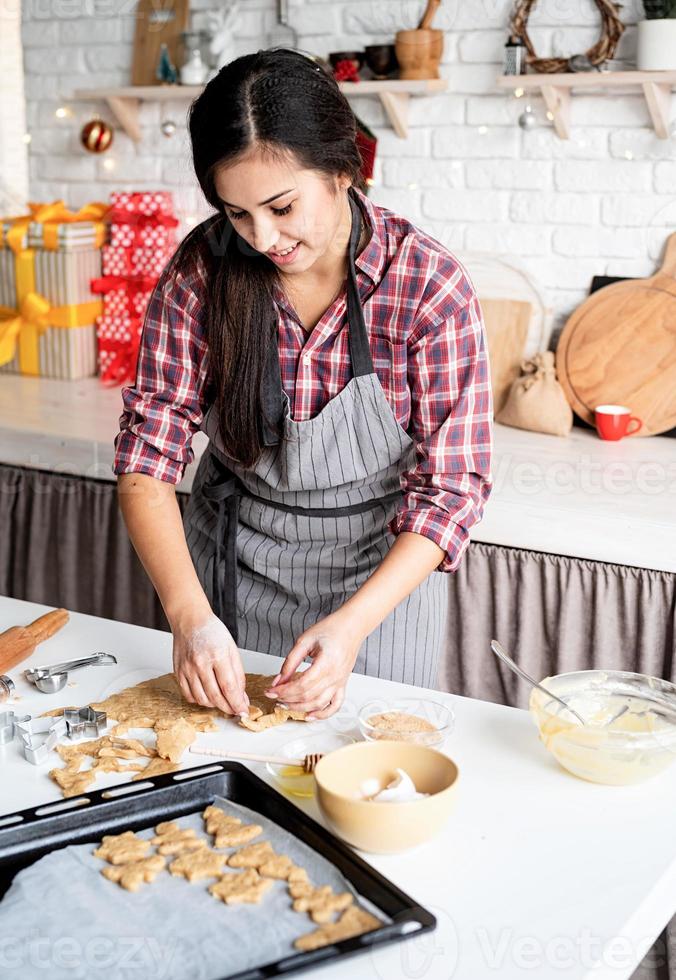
[(174, 737), (171, 839)]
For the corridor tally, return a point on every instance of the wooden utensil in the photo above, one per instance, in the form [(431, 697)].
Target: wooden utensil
[(157, 22), (619, 347), (18, 642), (428, 16), (507, 322), (307, 763)]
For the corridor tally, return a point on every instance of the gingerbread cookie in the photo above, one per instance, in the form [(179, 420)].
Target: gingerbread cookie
[(252, 856), (71, 781), (131, 876), (229, 831), (245, 886), (122, 848), (281, 866), (321, 903), (171, 839), (353, 922), (201, 863)]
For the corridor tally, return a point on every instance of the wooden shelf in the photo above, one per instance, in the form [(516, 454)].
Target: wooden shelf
[(394, 95), (556, 91)]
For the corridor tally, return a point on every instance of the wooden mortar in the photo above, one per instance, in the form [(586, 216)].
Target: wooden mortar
[(419, 52)]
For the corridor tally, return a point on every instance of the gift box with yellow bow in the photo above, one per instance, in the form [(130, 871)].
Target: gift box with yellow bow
[(47, 308)]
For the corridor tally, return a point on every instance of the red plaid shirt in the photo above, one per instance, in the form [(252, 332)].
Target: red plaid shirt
[(429, 351)]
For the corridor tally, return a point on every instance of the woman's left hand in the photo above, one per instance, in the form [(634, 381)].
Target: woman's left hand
[(333, 646)]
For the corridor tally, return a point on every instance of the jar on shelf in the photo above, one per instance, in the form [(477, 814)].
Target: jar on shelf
[(194, 69)]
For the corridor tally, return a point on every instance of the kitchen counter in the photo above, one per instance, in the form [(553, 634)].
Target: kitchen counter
[(536, 874), (576, 496)]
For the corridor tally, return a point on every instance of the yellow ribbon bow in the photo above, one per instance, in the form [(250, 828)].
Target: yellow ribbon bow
[(36, 314), (50, 216)]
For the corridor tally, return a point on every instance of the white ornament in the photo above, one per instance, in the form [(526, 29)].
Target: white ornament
[(220, 25)]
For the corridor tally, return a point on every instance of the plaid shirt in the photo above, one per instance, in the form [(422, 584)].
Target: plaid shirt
[(429, 351)]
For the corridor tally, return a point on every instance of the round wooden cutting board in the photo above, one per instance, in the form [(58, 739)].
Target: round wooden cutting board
[(619, 347)]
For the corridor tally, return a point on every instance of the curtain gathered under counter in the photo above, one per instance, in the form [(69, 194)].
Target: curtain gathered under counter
[(63, 543)]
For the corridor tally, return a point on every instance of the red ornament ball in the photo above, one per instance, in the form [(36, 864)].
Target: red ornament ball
[(96, 136)]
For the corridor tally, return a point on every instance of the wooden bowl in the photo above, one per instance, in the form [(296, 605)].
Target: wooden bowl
[(419, 52), (385, 828)]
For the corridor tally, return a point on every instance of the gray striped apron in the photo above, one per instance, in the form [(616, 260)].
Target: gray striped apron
[(283, 544)]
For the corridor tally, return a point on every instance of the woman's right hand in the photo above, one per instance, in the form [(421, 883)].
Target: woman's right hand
[(207, 664)]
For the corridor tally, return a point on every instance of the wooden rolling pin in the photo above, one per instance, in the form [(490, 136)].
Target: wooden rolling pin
[(428, 16), (18, 642)]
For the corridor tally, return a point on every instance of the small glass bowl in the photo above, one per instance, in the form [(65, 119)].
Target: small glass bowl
[(631, 730), (293, 779), (378, 721)]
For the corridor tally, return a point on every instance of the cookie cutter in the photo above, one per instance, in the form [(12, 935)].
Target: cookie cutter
[(34, 750), (85, 721), (8, 722)]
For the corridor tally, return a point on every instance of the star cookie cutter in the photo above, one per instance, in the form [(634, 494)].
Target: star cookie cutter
[(85, 721), (8, 722), (49, 730)]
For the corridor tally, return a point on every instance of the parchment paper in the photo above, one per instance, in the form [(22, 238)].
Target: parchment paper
[(61, 918)]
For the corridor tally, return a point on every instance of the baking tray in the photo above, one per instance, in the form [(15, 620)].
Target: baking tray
[(27, 835)]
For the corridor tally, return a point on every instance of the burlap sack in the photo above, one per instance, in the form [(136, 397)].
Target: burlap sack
[(536, 400)]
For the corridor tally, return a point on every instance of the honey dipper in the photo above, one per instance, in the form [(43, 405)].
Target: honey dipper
[(307, 764)]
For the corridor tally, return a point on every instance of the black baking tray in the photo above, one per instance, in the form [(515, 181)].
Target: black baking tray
[(27, 835)]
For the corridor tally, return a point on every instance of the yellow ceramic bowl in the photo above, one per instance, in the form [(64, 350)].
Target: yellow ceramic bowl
[(377, 827)]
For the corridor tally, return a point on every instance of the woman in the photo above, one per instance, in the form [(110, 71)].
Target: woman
[(334, 354)]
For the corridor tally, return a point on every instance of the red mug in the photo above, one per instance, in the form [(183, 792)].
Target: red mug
[(613, 422)]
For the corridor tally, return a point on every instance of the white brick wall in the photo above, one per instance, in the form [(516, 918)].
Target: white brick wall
[(602, 202)]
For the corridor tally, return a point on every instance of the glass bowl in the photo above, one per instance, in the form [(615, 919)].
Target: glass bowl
[(293, 779), (417, 720), (630, 733)]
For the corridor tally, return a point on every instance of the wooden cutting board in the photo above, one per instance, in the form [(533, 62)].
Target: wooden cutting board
[(619, 347), (157, 22), (507, 322)]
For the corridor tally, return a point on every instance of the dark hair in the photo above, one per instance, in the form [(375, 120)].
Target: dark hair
[(286, 105)]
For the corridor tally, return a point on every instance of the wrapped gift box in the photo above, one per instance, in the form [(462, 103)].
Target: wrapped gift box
[(47, 309)]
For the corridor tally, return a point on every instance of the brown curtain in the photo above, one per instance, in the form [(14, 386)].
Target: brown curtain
[(63, 543)]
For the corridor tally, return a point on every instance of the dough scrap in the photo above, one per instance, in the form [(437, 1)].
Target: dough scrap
[(244, 886), (122, 848), (171, 839), (321, 903), (156, 767), (229, 831), (201, 863), (252, 856), (131, 876), (173, 737), (264, 712), (353, 922), (71, 781)]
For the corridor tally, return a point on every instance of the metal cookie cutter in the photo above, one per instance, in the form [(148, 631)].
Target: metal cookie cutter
[(35, 751), (8, 722), (85, 721)]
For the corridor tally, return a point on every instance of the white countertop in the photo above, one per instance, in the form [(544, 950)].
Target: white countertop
[(537, 874), (577, 496)]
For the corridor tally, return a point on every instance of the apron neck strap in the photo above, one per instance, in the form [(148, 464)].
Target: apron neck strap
[(360, 352)]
